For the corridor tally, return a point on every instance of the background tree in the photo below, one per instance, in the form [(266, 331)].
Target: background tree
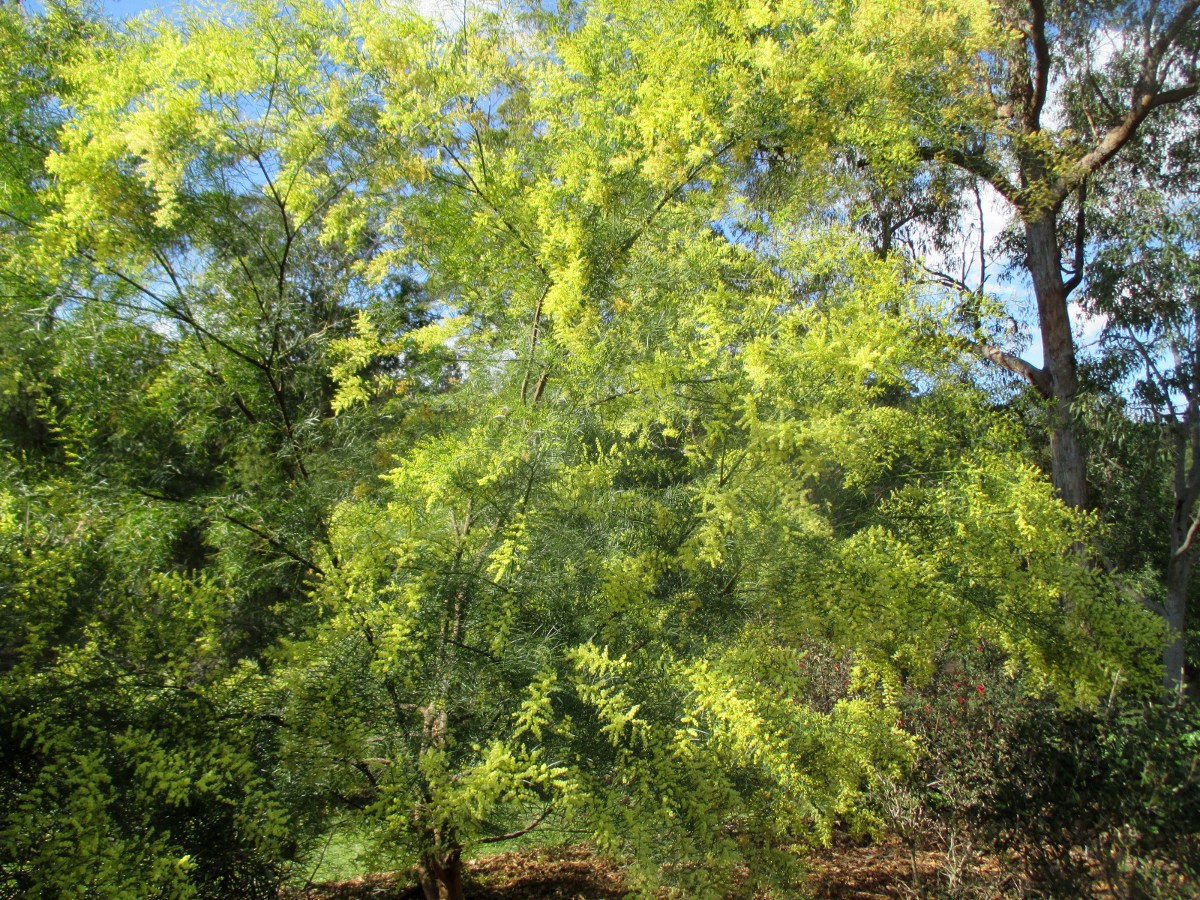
[(1144, 284), (968, 87), (1037, 147)]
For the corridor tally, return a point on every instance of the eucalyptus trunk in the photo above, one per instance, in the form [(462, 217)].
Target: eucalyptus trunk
[(1068, 459), (1174, 614), (1183, 528)]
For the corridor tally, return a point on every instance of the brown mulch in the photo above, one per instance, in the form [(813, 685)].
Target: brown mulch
[(845, 872), (564, 873), (849, 872), (888, 870), (560, 873), (379, 887)]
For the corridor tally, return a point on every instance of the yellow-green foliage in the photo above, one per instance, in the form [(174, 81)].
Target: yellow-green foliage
[(594, 600), (109, 714), (669, 460)]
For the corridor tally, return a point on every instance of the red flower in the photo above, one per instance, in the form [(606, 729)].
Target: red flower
[(979, 687)]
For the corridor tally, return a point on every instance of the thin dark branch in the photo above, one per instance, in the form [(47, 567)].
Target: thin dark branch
[(509, 226), (233, 520), (670, 195), (1080, 236), (534, 332), (484, 653), (975, 163), (516, 834)]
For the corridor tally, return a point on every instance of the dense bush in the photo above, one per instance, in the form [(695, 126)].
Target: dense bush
[(1065, 798), (1117, 789)]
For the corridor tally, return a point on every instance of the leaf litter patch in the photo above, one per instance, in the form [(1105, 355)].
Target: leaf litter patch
[(845, 872)]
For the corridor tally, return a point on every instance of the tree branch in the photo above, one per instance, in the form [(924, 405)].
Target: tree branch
[(534, 332), (1041, 71), (974, 163), (1187, 541), (516, 834), (233, 520), (509, 226), (1168, 36), (1039, 378)]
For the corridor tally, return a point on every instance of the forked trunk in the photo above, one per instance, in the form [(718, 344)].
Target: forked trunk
[(442, 875)]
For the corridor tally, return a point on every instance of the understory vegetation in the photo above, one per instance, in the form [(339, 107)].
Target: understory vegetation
[(704, 430)]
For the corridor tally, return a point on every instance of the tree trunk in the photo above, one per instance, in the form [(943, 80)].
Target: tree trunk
[(442, 875), (1175, 615), (1068, 460)]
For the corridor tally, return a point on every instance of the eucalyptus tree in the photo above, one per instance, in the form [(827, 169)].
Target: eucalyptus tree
[(1032, 98), (1038, 156), (1145, 284), (1059, 91)]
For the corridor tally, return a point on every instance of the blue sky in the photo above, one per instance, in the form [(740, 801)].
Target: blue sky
[(119, 9), (124, 9)]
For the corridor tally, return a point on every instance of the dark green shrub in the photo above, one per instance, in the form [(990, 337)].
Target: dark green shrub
[(1116, 790), (1067, 798)]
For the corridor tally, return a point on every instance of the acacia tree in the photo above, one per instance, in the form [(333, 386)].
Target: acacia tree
[(198, 197), (588, 608), (31, 90), (584, 592), (673, 460)]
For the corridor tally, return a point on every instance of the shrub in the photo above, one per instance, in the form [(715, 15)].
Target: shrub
[(1066, 797)]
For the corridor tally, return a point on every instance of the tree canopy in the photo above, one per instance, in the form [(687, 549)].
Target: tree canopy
[(447, 433)]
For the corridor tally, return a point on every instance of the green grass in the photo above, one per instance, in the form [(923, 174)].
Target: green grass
[(340, 857), (343, 854)]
